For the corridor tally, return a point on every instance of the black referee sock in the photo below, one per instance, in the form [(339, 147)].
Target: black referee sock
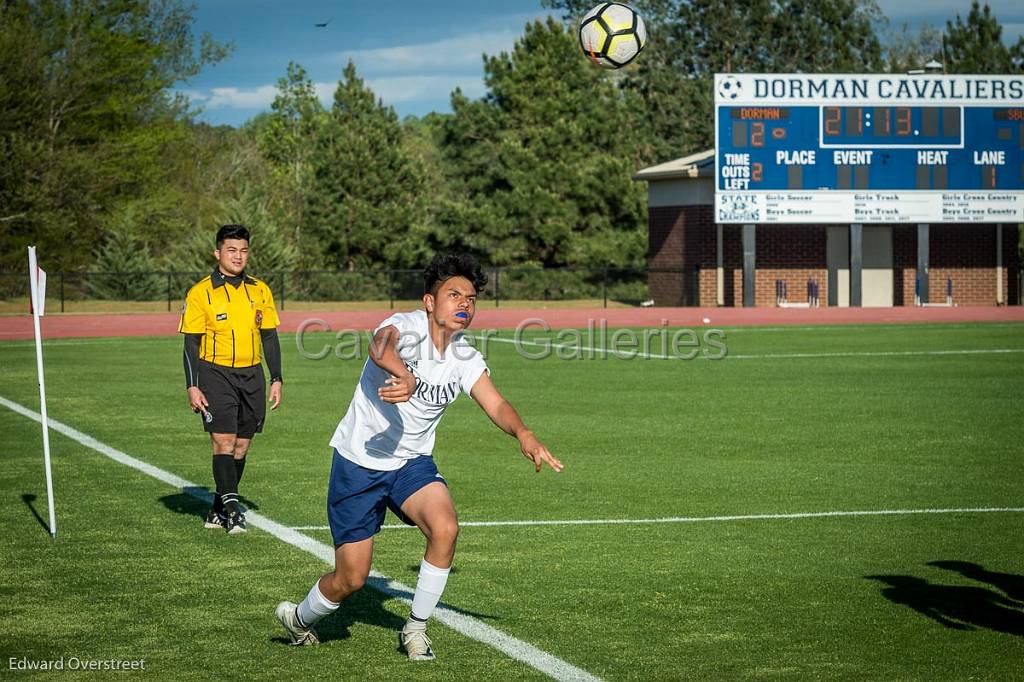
[(239, 468), (226, 478)]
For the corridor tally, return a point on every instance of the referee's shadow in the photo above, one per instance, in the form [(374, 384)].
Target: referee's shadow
[(195, 501)]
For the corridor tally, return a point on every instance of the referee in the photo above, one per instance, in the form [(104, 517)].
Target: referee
[(227, 317)]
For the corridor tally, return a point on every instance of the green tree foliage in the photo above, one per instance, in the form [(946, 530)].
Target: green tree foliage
[(287, 138), (366, 203), (241, 191), (270, 247), (541, 166), (124, 269), (975, 45), (87, 114)]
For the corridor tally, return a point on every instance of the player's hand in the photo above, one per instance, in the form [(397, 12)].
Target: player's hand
[(535, 451), (398, 389), (196, 399), (275, 395)]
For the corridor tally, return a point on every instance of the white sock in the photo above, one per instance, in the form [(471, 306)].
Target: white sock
[(429, 588), (315, 606)]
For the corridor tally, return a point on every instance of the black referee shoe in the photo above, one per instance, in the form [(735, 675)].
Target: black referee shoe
[(235, 523), (215, 519)]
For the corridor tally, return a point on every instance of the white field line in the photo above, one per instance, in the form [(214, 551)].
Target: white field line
[(704, 519), (626, 354), (877, 354), (470, 627)]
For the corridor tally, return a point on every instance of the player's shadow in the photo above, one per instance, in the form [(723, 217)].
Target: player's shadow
[(28, 499), (953, 606), (365, 606), (1012, 585), (414, 569), (195, 501)]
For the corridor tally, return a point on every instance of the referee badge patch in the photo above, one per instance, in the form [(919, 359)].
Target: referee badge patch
[(221, 317), (259, 318)]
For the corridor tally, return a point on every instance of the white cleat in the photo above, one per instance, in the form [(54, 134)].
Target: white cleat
[(416, 644), (299, 635)]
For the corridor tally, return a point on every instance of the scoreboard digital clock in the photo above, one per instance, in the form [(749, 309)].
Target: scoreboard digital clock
[(858, 149)]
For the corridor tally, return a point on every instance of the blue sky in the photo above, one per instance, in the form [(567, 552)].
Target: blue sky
[(411, 53)]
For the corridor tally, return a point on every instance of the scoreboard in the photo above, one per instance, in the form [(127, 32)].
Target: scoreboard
[(801, 148)]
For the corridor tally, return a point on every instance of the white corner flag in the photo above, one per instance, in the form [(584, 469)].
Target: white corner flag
[(37, 300)]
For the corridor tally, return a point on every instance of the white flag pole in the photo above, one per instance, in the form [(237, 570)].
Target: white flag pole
[(37, 309)]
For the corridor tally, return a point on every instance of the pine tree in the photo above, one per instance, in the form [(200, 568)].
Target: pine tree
[(124, 269), (286, 138), (270, 247), (975, 45), (366, 204), (541, 166)]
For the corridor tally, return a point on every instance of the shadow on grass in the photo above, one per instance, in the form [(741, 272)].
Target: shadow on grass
[(365, 606), (415, 569), (28, 499), (195, 501), (954, 606), (1012, 585)]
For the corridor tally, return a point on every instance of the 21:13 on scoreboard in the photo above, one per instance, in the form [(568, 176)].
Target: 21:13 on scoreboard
[(857, 148)]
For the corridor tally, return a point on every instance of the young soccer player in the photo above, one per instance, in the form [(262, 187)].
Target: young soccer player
[(419, 362)]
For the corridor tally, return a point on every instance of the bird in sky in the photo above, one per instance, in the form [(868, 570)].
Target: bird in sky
[(324, 24)]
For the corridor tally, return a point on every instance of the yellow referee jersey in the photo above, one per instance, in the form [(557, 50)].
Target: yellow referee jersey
[(230, 318)]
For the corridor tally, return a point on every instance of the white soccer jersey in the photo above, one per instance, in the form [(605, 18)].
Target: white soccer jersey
[(382, 436)]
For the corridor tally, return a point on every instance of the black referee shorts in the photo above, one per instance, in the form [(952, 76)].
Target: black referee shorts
[(236, 396)]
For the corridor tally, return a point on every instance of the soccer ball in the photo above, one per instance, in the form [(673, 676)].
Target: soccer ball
[(729, 88), (612, 35)]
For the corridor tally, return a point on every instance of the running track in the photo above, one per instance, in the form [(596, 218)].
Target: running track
[(166, 324)]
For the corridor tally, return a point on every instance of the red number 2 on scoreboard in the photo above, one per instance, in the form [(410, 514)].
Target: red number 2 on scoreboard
[(757, 134), (832, 118)]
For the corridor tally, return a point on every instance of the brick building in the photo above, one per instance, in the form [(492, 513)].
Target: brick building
[(694, 261)]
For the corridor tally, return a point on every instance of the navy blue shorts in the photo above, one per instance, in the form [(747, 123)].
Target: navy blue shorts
[(358, 498)]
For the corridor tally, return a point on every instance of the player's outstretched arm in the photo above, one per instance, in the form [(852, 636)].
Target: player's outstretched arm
[(505, 417), (384, 353)]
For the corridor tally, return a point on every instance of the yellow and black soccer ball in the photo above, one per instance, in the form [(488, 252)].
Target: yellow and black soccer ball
[(612, 35)]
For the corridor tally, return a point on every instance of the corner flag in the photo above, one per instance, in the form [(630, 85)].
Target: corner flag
[(37, 299)]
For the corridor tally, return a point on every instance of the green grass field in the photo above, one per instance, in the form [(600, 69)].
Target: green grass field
[(794, 421)]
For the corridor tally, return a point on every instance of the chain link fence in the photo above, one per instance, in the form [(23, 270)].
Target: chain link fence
[(155, 291)]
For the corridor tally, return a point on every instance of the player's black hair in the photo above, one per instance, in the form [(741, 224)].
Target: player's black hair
[(231, 232), (448, 265)]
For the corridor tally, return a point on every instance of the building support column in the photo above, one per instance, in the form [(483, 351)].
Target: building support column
[(749, 263), (999, 264), (856, 260), (923, 266), (720, 266)]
